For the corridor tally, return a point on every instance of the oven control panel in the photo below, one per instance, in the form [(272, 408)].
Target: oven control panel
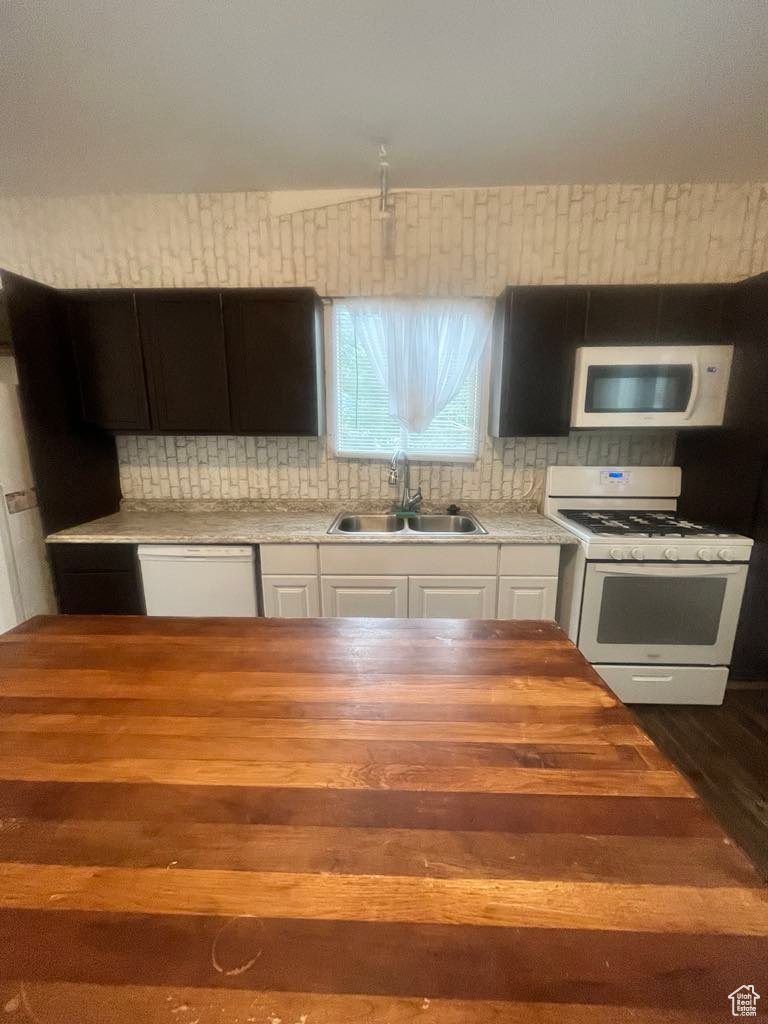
[(665, 551)]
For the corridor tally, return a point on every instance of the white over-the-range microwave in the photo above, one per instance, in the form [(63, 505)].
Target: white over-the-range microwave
[(651, 386)]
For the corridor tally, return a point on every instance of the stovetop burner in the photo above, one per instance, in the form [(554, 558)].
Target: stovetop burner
[(639, 523)]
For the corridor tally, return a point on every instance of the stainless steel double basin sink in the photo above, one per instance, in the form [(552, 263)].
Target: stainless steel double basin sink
[(349, 523)]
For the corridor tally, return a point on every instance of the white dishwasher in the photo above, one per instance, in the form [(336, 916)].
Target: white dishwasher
[(207, 579)]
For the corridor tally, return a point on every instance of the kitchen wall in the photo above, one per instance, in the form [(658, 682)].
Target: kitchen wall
[(436, 242), (247, 467)]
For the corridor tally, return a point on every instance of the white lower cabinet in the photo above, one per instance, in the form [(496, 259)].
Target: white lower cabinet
[(417, 581), (527, 597), (379, 597), (291, 597), (452, 597)]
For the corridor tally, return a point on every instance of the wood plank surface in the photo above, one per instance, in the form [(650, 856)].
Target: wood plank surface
[(338, 821), (723, 751)]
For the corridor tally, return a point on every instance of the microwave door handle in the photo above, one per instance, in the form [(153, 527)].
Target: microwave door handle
[(669, 570), (695, 382)]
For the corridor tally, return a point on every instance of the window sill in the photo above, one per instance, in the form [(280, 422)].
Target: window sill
[(387, 457)]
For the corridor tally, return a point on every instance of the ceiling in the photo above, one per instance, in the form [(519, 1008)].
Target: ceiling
[(186, 95)]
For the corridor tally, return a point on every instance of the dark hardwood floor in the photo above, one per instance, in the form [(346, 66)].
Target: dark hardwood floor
[(723, 752)]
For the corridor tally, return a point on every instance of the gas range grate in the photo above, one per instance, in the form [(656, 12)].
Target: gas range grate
[(639, 523)]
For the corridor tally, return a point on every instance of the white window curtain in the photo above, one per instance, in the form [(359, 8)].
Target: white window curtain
[(422, 350)]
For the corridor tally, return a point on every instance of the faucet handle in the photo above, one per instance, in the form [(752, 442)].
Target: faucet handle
[(453, 510)]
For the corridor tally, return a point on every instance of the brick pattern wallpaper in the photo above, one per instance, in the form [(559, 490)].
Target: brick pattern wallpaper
[(261, 467), (436, 242)]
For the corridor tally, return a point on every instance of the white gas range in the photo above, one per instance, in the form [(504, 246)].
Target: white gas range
[(651, 599)]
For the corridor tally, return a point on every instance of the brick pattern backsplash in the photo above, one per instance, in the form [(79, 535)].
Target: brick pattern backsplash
[(440, 242), (266, 467)]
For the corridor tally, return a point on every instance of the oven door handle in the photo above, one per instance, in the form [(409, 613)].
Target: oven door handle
[(695, 381), (670, 570)]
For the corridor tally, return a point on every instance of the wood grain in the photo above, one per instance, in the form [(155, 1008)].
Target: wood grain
[(372, 808), (723, 751), (127, 1004), (515, 903), (432, 853), (350, 821), (332, 775), (422, 732)]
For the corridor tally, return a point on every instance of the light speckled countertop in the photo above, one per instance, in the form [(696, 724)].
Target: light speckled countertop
[(296, 522)]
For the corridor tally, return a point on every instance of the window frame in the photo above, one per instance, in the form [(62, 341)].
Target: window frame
[(331, 355)]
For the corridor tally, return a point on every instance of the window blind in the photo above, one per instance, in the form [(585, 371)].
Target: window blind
[(363, 425)]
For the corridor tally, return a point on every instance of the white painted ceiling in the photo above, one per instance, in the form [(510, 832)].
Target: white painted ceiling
[(181, 95)]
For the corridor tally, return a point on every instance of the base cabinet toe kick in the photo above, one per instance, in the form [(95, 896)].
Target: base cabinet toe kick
[(430, 581)]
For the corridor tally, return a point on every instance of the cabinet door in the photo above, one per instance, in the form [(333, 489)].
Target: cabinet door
[(96, 579), (104, 331), (74, 464), (622, 315), (98, 593), (183, 340), (274, 347), (536, 332), (691, 314), (376, 597), (452, 597), (527, 597), (292, 597)]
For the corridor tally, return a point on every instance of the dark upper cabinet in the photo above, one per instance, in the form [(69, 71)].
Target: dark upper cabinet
[(538, 329), (184, 351), (677, 314), (74, 464), (162, 360), (622, 315), (691, 314), (536, 332), (104, 332), (274, 348)]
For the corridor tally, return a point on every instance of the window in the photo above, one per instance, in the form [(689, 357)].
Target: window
[(363, 425)]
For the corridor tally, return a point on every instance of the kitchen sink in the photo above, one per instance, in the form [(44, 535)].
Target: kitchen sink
[(367, 524), (349, 523), (445, 524)]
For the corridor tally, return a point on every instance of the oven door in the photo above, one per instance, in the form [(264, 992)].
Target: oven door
[(667, 614)]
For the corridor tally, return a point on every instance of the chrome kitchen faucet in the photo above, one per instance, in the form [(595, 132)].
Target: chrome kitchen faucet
[(409, 502)]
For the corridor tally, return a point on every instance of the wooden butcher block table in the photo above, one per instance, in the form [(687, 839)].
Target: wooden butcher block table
[(205, 821)]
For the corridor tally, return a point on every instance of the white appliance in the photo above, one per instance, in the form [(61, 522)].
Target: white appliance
[(650, 598), (651, 386), (205, 579), (25, 582)]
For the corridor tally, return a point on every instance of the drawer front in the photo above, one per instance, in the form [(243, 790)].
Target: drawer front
[(529, 560), (662, 684), (288, 559), (409, 559)]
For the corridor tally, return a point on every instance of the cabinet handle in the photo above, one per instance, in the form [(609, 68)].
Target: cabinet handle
[(652, 679)]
